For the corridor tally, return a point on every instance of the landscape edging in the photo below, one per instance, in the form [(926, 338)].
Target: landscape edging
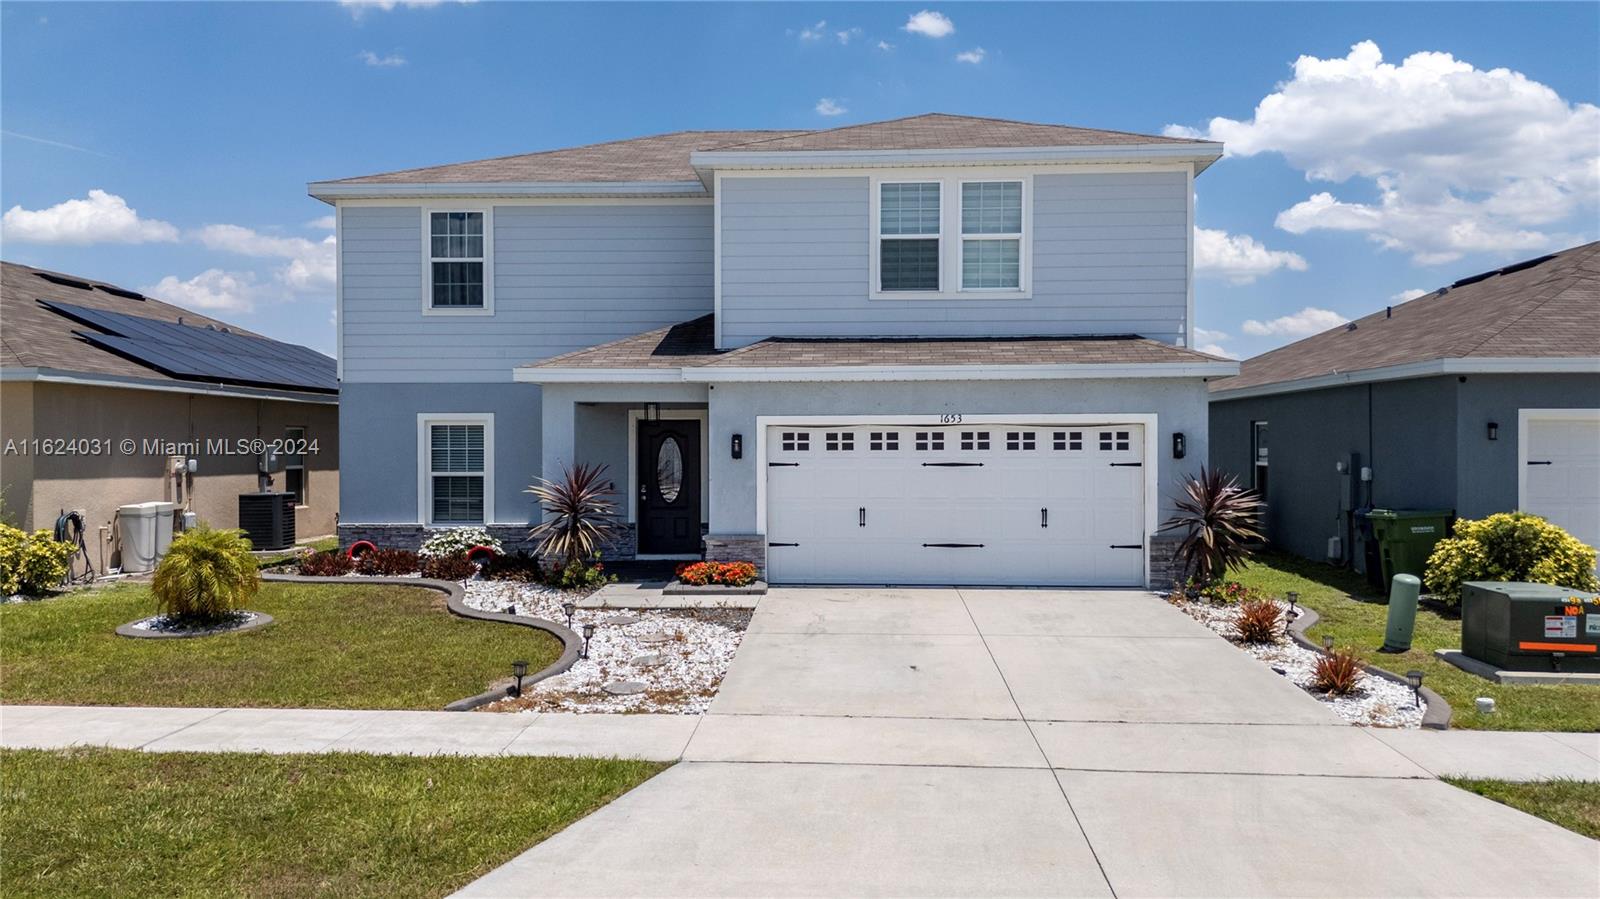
[(1438, 713), (455, 600)]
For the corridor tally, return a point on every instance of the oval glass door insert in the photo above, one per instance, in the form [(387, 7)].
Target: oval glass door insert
[(669, 470)]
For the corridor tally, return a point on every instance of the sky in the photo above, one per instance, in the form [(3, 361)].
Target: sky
[(1375, 151)]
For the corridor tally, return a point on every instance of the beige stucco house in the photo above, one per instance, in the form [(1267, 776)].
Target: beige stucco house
[(106, 395)]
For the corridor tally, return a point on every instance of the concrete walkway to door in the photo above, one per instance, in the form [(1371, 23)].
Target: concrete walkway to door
[(1011, 742)]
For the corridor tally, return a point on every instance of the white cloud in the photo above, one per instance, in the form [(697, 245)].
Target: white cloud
[(324, 223), (885, 46), (1464, 159), (827, 106), (1239, 258), (1208, 341), (100, 218), (848, 35), (1304, 323), (1406, 296), (930, 24), (310, 266), (1209, 335), (393, 60), (358, 8), (815, 32), (974, 56), (212, 290), (1216, 350)]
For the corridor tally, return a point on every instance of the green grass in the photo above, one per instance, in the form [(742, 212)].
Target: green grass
[(1356, 619), (1573, 804), (331, 646), (289, 555), (101, 822)]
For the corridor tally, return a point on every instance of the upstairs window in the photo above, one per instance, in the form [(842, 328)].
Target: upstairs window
[(908, 235), (457, 262), (991, 235)]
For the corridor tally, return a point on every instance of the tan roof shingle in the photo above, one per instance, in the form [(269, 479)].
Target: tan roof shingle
[(942, 131)]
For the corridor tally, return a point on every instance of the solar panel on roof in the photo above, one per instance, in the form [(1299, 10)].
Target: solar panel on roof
[(203, 353), (64, 281), (119, 292)]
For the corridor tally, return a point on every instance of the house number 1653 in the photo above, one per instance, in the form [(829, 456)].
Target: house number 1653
[(950, 418)]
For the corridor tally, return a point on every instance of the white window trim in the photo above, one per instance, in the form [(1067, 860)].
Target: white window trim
[(305, 477), (950, 261), (1023, 266), (488, 259), (425, 463)]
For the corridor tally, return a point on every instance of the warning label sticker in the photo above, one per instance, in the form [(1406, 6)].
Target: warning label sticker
[(1561, 627), (1591, 624)]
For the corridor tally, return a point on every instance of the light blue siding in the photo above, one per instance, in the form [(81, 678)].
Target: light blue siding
[(565, 277), (1110, 256)]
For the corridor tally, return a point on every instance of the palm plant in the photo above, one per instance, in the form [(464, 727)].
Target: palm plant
[(205, 576), (1220, 519), (580, 517)]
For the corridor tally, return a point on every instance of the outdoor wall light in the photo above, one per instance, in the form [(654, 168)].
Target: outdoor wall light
[(570, 608), (519, 669), (652, 411), (738, 446), (1179, 445), (1494, 430), (588, 634), (1414, 678)]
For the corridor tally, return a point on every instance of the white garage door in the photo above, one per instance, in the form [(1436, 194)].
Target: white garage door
[(990, 504), (1561, 470)]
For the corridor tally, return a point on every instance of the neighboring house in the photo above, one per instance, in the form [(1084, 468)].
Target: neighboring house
[(86, 366), (1480, 397), (939, 349)]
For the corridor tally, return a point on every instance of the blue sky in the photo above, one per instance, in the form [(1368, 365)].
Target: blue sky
[(197, 125)]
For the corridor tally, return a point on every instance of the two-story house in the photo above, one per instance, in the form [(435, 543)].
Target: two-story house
[(940, 349)]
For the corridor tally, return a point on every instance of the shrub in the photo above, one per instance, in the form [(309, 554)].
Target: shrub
[(732, 574), (1509, 546), (519, 566), (579, 575), (448, 568), (1219, 519), (388, 562), (32, 563), (1338, 673), (206, 575), (456, 541), (1224, 593), (1257, 621), (329, 563), (581, 516)]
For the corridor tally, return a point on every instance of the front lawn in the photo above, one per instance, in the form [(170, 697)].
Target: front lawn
[(283, 557), (97, 822), (1351, 613), (332, 646), (1573, 804)]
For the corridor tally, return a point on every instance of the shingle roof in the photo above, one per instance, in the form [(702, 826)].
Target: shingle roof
[(665, 157), (1538, 309), (942, 131), (32, 336), (661, 157), (689, 345)]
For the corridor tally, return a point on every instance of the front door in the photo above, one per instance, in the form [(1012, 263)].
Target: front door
[(669, 487)]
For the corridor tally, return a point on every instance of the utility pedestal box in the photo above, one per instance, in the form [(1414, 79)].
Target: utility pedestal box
[(1530, 627)]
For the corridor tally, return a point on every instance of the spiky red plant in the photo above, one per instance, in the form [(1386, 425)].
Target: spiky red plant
[(580, 515), (1220, 520)]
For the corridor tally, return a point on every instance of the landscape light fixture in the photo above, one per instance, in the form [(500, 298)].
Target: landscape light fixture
[(570, 608), (588, 634), (1414, 678), (1494, 430), (1327, 643), (519, 668)]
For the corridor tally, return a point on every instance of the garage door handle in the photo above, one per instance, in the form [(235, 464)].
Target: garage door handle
[(783, 544), (1044, 518), (1541, 463), (1127, 464), (952, 465), (955, 545), (861, 520), (1127, 546), (783, 464)]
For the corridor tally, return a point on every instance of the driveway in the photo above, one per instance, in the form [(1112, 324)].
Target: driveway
[(1033, 742)]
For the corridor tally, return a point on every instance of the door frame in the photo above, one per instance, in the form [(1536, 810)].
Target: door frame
[(1146, 420), (635, 416), (1525, 417)]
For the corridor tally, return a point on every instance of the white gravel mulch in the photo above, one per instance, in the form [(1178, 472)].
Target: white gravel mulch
[(678, 656), (1376, 702), (163, 624)]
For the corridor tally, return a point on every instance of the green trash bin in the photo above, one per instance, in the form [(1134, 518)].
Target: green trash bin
[(1406, 538)]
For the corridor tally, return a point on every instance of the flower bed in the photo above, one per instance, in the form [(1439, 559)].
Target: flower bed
[(726, 574), (1376, 702)]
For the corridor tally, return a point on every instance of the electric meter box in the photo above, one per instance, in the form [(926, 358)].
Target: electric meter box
[(1530, 627)]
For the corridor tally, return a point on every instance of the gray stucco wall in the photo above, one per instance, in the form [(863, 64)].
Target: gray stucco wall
[(1180, 405), (378, 446), (1426, 444), (565, 277), (1110, 257)]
